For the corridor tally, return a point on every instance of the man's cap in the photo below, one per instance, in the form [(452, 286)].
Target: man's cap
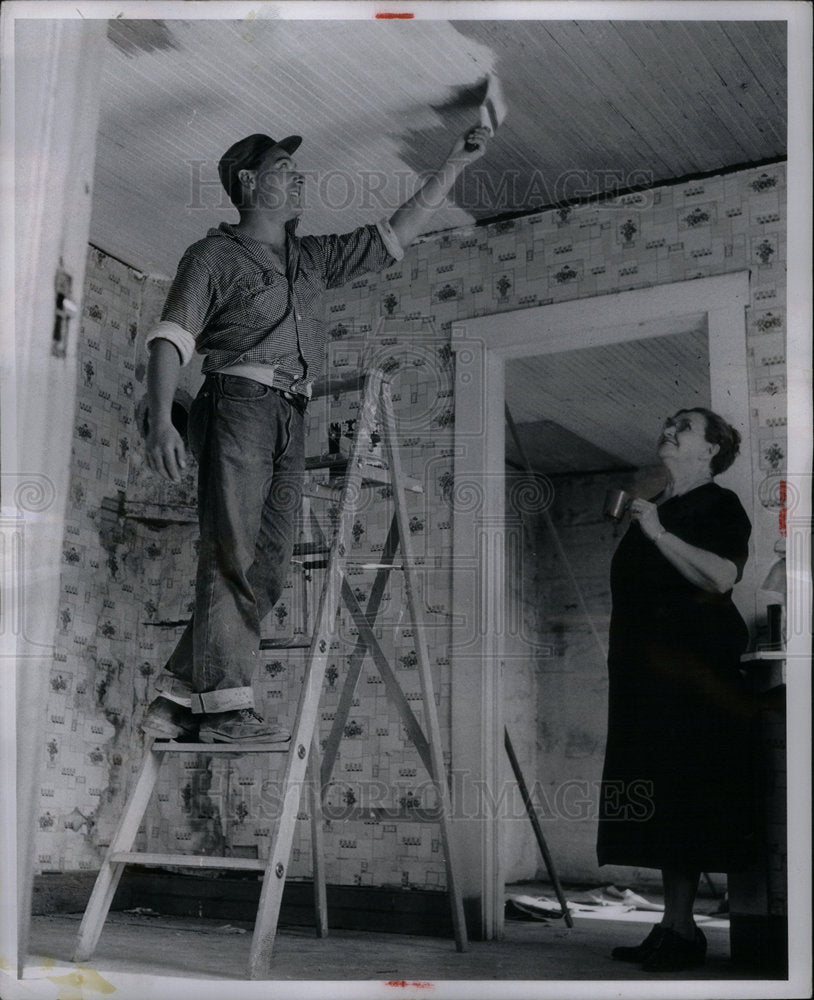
[(246, 154)]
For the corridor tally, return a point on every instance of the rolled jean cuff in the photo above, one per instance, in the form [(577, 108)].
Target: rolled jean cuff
[(222, 700), (173, 689)]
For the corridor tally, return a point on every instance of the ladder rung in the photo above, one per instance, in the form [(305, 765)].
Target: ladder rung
[(382, 477), (171, 746), (321, 491), (365, 467), (311, 549), (189, 861), (285, 644), (373, 472), (329, 386), (339, 462), (329, 491)]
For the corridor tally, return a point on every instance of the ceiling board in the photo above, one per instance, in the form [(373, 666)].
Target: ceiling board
[(549, 448), (608, 401), (594, 107)]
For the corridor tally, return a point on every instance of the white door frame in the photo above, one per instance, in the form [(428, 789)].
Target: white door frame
[(52, 68), (482, 347)]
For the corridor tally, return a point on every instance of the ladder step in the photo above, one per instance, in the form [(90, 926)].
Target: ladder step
[(189, 861), (322, 563), (373, 472), (374, 565), (171, 746), (339, 462), (324, 491), (321, 491), (311, 549), (343, 476), (382, 478), (332, 386)]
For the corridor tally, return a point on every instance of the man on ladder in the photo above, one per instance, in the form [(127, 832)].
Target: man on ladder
[(248, 297)]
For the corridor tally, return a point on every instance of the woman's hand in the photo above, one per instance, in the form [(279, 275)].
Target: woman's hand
[(647, 516), (705, 569)]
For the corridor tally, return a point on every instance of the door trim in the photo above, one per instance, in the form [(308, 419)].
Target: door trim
[(482, 346)]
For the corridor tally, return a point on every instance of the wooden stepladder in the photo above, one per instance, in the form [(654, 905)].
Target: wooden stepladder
[(302, 754)]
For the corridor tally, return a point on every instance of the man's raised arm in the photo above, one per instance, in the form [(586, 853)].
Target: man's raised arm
[(411, 218)]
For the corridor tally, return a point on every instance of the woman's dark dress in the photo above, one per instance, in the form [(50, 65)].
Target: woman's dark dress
[(677, 785)]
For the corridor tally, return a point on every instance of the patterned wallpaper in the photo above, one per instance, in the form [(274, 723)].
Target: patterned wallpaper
[(127, 577)]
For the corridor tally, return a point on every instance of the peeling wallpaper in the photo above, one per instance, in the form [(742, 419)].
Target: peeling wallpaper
[(126, 577)]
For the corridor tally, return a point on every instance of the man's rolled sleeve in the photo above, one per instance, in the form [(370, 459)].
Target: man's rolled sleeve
[(182, 339), (390, 240), (187, 308)]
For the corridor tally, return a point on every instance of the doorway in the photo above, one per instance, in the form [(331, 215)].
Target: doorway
[(582, 422), (485, 349)]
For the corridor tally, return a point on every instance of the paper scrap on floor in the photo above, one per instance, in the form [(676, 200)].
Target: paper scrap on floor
[(521, 907)]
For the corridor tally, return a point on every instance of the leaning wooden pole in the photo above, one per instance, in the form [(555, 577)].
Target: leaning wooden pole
[(538, 830)]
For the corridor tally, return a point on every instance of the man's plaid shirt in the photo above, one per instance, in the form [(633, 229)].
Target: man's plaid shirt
[(233, 301)]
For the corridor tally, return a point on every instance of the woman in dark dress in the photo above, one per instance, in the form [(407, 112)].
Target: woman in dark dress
[(676, 783)]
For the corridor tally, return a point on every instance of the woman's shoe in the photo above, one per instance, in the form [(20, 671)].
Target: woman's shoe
[(639, 952), (676, 954)]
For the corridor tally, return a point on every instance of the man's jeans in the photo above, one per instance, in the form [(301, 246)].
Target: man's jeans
[(249, 443)]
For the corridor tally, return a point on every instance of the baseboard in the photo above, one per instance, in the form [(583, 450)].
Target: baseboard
[(234, 899)]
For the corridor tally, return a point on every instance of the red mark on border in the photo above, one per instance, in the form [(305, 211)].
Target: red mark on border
[(782, 516), (403, 983), (394, 17)]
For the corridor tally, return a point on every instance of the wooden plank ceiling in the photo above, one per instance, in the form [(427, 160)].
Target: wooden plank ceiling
[(595, 106), (586, 411)]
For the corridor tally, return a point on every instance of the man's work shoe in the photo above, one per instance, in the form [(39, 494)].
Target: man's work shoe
[(241, 726), (173, 689), (164, 720)]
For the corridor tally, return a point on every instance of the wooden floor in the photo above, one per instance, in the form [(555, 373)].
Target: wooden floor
[(159, 956)]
